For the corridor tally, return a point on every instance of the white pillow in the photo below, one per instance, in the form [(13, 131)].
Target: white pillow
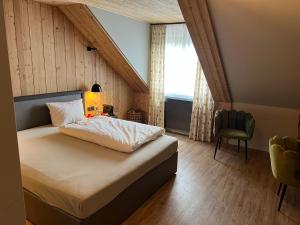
[(63, 113)]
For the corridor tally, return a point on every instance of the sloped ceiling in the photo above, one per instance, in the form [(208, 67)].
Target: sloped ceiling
[(131, 36), (84, 20), (198, 21), (151, 11), (259, 41)]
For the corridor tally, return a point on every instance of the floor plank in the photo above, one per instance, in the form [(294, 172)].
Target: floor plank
[(225, 191)]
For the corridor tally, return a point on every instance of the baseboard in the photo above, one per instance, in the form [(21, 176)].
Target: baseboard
[(185, 133)]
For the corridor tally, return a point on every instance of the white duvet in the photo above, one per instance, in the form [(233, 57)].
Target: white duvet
[(120, 135)]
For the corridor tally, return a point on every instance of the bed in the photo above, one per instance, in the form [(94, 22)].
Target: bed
[(68, 181)]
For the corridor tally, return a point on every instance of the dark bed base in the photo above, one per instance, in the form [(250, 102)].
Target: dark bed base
[(40, 213)]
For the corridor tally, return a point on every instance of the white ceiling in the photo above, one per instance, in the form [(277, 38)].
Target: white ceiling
[(259, 42)]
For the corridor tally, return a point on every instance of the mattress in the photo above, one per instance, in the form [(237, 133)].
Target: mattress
[(80, 177)]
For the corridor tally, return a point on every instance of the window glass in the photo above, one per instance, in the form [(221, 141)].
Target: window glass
[(180, 62)]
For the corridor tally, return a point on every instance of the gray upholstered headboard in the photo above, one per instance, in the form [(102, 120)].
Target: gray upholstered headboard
[(31, 111)]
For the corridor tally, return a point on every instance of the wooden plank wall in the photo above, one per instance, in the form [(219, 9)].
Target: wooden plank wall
[(85, 21), (141, 102), (48, 54)]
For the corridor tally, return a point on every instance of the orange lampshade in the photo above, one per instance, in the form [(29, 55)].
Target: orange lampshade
[(93, 103)]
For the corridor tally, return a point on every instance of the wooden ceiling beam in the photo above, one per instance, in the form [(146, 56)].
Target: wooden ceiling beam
[(84, 20), (198, 21)]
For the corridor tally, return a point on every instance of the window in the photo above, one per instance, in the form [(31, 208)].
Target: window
[(180, 63)]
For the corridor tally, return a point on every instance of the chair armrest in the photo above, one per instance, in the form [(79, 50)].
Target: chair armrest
[(290, 143), (293, 155), (249, 126), (217, 123), (292, 159), (285, 165)]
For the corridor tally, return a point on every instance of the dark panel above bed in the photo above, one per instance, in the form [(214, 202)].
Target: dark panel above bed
[(31, 111)]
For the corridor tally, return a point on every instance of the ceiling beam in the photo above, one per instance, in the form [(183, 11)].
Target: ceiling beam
[(84, 20), (198, 21)]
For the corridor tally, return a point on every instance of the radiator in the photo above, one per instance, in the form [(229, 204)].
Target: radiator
[(178, 115)]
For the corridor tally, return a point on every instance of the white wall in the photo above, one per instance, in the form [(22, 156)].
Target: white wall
[(131, 36), (270, 121), (259, 45), (12, 210)]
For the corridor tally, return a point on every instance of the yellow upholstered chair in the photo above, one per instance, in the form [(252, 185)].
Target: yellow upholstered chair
[(285, 163)]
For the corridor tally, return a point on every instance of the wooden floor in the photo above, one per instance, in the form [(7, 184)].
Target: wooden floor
[(225, 191)]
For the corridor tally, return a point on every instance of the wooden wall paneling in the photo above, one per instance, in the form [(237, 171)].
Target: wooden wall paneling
[(101, 75), (79, 59), (118, 95), (98, 69), (104, 79), (141, 102), (70, 54), (113, 95), (12, 43), (37, 46), (49, 50), (116, 90), (103, 71), (123, 100), (84, 20), (127, 98), (88, 66), (51, 54), (60, 50), (122, 97), (94, 64), (108, 84), (24, 46)]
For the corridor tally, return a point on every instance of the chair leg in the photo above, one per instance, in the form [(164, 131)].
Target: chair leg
[(282, 196), (239, 142), (279, 189), (216, 148), (246, 151), (220, 142)]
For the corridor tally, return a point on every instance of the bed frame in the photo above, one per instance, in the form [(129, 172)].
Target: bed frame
[(31, 111)]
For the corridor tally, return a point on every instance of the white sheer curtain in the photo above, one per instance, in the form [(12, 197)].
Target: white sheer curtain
[(203, 106), (176, 72), (184, 78), (157, 76), (180, 62)]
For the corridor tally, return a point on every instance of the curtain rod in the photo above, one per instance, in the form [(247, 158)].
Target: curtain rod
[(168, 23)]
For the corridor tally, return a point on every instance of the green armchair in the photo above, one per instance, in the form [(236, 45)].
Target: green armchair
[(234, 125), (285, 163)]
